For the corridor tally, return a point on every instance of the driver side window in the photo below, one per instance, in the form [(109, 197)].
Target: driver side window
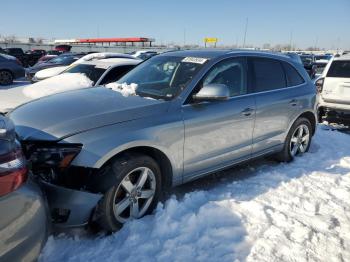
[(230, 72)]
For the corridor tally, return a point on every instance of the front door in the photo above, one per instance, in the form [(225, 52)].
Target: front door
[(219, 133)]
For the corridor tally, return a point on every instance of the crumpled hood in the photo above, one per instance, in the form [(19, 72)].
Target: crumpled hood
[(65, 114)]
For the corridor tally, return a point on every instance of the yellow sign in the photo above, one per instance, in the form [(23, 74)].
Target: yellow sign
[(210, 40)]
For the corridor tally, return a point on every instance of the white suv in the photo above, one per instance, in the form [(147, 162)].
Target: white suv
[(333, 87)]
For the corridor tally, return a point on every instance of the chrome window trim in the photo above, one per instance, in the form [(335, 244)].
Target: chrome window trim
[(256, 93), (246, 56)]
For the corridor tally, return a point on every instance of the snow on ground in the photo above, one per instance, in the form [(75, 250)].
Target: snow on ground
[(265, 211), (57, 84)]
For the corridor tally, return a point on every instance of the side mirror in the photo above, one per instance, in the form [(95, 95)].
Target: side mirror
[(212, 92)]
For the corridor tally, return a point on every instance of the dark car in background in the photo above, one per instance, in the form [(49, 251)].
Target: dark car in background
[(61, 60), (23, 221), (28, 58), (309, 64), (18, 53), (34, 55), (10, 69), (46, 58)]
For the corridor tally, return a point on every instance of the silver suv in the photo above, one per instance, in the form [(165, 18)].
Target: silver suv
[(107, 154)]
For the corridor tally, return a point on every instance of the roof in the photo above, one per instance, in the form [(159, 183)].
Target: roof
[(343, 57), (206, 53), (213, 53), (112, 62)]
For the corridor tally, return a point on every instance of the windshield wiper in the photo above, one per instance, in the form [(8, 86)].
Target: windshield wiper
[(154, 95)]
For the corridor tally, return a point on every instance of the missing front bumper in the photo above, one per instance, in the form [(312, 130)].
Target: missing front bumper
[(68, 207)]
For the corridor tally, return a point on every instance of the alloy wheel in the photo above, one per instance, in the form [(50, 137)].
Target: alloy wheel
[(5, 78), (300, 140), (134, 194)]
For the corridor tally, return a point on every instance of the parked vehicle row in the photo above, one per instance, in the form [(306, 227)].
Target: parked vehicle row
[(55, 70), (61, 60)]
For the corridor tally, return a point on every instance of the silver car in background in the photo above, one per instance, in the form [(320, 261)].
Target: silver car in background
[(23, 214), (104, 156)]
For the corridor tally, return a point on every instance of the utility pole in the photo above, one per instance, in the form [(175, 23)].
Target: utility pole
[(245, 31), (290, 40), (184, 37), (316, 42)]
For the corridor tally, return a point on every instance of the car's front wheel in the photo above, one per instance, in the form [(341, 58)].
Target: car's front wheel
[(297, 141), (6, 77), (134, 193)]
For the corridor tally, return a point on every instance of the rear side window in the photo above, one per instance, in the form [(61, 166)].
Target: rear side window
[(292, 75), (116, 73), (269, 74), (339, 69)]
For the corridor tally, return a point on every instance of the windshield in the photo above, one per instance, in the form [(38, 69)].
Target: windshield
[(323, 57), (66, 60), (91, 71), (163, 76), (320, 67), (306, 59)]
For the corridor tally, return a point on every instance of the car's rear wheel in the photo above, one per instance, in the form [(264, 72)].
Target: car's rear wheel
[(133, 194), (297, 141), (6, 77)]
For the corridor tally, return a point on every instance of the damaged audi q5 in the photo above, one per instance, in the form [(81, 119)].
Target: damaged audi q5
[(106, 154)]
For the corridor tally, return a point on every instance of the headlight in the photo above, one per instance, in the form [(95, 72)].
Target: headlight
[(57, 155)]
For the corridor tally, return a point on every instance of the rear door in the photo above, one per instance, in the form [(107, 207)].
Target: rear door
[(277, 101), (336, 86)]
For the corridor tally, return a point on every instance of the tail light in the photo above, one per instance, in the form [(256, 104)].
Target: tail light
[(319, 85), (13, 171)]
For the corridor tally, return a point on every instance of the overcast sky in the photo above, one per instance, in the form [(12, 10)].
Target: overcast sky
[(321, 23)]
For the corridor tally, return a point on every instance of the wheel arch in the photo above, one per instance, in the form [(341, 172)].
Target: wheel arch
[(159, 156), (311, 117)]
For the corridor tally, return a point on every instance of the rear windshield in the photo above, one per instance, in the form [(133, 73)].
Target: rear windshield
[(339, 69), (91, 71)]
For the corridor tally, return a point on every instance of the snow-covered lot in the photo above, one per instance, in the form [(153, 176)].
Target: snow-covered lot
[(262, 212)]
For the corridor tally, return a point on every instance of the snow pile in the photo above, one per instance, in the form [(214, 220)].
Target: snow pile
[(124, 88), (57, 84), (50, 72), (263, 212)]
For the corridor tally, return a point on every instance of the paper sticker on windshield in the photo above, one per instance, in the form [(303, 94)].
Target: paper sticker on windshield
[(197, 60)]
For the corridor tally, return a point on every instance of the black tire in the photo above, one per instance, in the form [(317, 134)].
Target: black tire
[(285, 155), (113, 176), (6, 77)]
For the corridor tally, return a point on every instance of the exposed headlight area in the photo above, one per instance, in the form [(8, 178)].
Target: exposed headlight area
[(48, 160), (56, 155)]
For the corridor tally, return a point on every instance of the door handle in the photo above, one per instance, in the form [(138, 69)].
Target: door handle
[(293, 102), (247, 112)]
